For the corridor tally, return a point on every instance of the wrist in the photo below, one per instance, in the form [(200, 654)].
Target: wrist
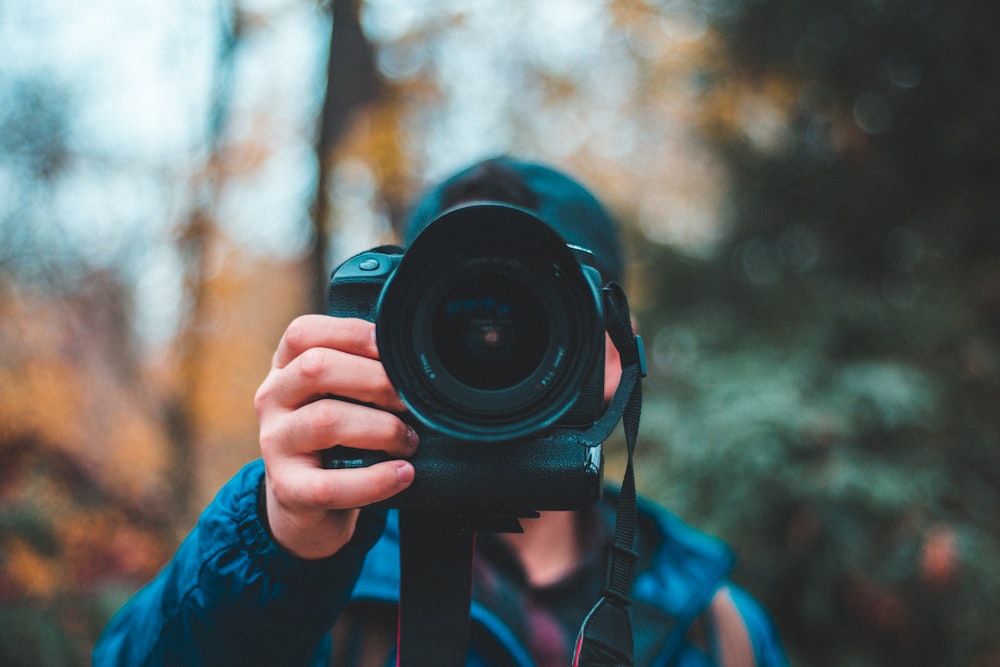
[(309, 535)]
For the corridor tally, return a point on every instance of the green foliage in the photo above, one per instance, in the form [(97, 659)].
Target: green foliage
[(892, 142), (824, 387), (31, 636), (836, 469)]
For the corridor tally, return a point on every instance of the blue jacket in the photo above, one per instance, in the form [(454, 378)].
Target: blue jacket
[(232, 596)]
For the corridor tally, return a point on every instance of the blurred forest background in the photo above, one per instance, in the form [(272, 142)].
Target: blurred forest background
[(811, 191)]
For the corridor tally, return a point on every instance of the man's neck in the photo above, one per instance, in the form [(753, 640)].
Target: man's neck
[(549, 548)]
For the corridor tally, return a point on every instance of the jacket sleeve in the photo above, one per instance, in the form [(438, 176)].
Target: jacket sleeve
[(231, 595)]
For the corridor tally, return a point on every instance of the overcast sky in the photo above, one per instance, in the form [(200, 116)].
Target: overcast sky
[(138, 79)]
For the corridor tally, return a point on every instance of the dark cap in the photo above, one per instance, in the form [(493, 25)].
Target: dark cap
[(561, 202)]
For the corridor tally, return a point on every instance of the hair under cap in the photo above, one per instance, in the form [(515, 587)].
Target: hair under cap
[(561, 202)]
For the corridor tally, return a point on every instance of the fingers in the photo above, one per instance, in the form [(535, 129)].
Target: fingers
[(312, 511), (327, 387), (290, 444), (319, 331), (296, 498), (320, 356), (326, 423), (309, 489), (321, 372)]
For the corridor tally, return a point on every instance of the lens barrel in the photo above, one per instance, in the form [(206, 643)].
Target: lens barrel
[(490, 327)]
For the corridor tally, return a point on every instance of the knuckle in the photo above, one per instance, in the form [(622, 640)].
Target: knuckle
[(262, 398), (315, 493), (278, 488), (312, 363), (293, 339), (270, 442), (296, 331), (327, 420)]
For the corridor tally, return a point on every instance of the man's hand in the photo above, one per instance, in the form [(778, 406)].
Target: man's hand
[(320, 360)]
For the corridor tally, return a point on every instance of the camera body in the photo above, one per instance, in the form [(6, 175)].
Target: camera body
[(491, 328)]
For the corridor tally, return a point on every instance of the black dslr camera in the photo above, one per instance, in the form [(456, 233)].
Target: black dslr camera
[(492, 330)]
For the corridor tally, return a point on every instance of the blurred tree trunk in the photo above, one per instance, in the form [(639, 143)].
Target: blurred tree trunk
[(193, 245), (351, 81)]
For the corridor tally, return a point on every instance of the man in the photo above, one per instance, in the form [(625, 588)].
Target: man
[(288, 550)]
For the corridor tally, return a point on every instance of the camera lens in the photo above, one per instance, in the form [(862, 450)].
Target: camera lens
[(490, 333), (490, 328)]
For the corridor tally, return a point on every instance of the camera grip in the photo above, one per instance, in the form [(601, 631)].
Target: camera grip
[(356, 284), (557, 472)]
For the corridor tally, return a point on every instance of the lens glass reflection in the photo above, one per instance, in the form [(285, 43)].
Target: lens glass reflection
[(491, 332)]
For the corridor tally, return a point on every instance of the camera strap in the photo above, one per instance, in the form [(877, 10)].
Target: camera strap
[(435, 590), (605, 638), (436, 552)]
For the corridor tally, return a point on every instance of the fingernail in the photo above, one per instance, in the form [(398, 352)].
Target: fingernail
[(405, 472), (412, 437)]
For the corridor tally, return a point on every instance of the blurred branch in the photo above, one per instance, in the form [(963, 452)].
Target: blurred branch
[(193, 243), (351, 81)]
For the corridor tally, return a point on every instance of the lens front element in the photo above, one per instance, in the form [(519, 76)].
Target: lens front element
[(489, 328), (491, 332)]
